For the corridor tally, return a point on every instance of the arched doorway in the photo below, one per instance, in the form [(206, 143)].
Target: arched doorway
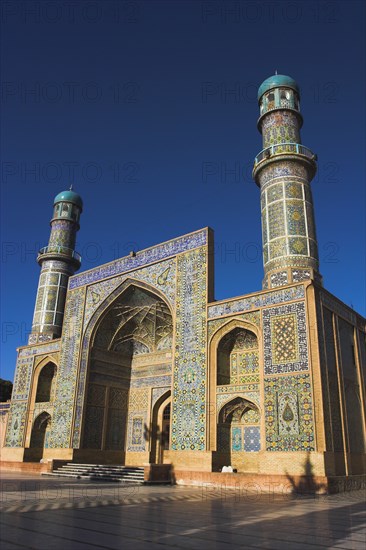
[(130, 350), (238, 432), (39, 436), (160, 429)]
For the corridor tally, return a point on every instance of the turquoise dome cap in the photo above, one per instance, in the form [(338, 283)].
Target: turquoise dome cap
[(276, 81), (69, 196)]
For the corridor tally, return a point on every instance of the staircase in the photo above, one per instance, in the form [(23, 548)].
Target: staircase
[(96, 472)]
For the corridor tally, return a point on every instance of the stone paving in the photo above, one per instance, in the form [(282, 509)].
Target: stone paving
[(44, 514)]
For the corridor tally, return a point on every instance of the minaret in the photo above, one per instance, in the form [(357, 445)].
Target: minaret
[(283, 170), (58, 261)]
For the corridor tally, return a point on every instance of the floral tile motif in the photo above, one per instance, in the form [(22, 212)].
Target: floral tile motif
[(189, 379), (288, 413)]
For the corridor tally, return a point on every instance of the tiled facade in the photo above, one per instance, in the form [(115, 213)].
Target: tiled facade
[(148, 368)]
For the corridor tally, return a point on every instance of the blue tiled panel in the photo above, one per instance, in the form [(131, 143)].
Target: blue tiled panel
[(252, 440)]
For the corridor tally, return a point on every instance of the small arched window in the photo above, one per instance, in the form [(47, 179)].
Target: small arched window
[(45, 383)]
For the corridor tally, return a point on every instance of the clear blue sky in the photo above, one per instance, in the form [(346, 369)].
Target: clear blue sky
[(146, 107)]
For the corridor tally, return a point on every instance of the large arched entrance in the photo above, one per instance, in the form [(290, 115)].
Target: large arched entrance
[(130, 356)]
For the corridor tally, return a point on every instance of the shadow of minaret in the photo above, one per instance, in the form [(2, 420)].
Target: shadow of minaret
[(306, 484)]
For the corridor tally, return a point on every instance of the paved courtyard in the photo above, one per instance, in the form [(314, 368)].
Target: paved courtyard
[(53, 514)]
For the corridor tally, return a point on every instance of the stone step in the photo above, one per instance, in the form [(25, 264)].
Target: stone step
[(102, 472)]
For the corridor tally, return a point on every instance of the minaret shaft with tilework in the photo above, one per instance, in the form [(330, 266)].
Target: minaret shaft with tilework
[(283, 170), (58, 261)]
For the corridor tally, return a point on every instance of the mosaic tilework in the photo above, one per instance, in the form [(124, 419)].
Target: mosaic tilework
[(67, 374), (278, 248), (280, 169), (235, 391), (22, 383), (252, 317), (285, 347), (294, 189), (285, 339), (299, 275), (63, 233), (38, 350), (298, 245), (251, 417), (288, 225), (236, 438), (254, 302), (138, 405), (276, 220), (152, 381), (274, 193), (189, 386), (280, 127), (310, 220), (23, 375), (84, 363), (16, 424), (157, 393), (39, 338), (150, 255), (151, 370), (252, 439), (295, 217), (137, 431), (161, 276), (287, 411), (280, 396), (138, 400), (279, 278)]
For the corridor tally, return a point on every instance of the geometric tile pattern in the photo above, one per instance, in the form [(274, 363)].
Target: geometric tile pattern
[(101, 306), (68, 370), (252, 439), (280, 127), (157, 393), (286, 201), (288, 413), (279, 278), (285, 339), (147, 256), (189, 381), (265, 299), (299, 275), (23, 375), (21, 389), (161, 275), (252, 317), (224, 398)]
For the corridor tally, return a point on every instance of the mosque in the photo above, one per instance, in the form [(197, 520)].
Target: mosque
[(135, 363)]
